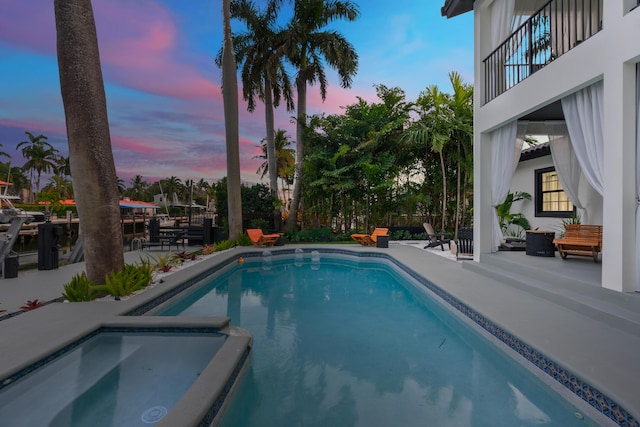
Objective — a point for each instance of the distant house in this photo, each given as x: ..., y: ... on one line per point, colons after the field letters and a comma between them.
x: 571, y: 66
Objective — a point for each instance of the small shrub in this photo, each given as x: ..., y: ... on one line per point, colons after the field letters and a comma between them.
x: 223, y: 245
x: 123, y: 283
x: 208, y: 250
x: 80, y: 289
x: 184, y: 256
x: 312, y: 235
x: 243, y: 240
x: 259, y: 223
x: 32, y: 305
x: 164, y: 262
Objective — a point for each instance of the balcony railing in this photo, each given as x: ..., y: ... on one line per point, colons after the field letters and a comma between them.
x: 558, y: 27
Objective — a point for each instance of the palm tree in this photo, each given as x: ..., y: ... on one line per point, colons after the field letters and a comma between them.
x: 462, y: 134
x: 59, y: 186
x: 40, y: 157
x: 14, y: 175
x: 63, y: 167
x: 308, y: 48
x: 90, y: 150
x: 230, y: 100
x: 284, y: 157
x: 434, y: 130
x: 121, y: 186
x: 2, y: 153
x: 260, y: 50
x: 172, y: 186
x: 139, y: 188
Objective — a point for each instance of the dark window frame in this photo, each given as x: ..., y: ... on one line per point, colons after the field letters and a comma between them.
x: 538, y: 197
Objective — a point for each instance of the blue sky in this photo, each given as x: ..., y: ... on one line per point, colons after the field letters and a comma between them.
x: 163, y: 88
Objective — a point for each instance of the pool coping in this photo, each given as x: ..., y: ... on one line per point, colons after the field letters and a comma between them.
x: 578, y: 385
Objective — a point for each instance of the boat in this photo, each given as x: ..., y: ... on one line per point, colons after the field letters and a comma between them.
x: 164, y: 220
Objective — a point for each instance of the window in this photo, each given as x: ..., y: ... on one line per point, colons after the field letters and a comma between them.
x: 551, y: 200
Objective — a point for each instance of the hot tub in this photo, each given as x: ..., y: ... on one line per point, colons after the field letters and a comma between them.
x: 133, y: 375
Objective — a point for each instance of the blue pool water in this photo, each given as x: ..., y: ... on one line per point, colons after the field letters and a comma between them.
x: 111, y: 379
x: 342, y: 342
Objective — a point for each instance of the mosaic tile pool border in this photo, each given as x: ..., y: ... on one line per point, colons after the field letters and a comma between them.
x: 598, y: 400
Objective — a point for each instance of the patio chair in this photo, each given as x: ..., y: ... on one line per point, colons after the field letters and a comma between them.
x: 174, y: 238
x: 436, y: 239
x: 259, y: 239
x: 370, y: 239
x: 464, y: 243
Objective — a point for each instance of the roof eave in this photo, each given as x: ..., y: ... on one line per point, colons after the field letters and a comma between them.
x: 453, y: 8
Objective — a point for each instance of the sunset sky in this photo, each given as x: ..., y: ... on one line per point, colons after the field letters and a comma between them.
x: 163, y: 89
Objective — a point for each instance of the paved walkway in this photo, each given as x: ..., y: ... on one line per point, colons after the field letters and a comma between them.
x: 595, y: 344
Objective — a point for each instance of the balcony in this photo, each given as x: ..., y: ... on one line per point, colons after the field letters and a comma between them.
x: 555, y: 29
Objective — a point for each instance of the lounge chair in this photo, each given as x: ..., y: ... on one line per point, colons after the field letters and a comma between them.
x: 436, y: 239
x: 464, y: 243
x: 259, y: 239
x: 370, y: 239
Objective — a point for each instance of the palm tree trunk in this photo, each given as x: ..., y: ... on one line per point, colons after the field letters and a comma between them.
x: 301, y: 87
x: 90, y: 152
x: 272, y: 160
x: 444, y: 191
x: 230, y: 100
x: 458, y: 172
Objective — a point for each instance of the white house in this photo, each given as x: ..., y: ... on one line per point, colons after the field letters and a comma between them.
x: 572, y: 67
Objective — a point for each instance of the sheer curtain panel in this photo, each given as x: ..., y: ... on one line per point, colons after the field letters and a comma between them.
x: 583, y: 112
x: 506, y: 146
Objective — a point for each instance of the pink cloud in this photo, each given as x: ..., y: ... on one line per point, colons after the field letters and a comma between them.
x: 139, y: 49
x: 136, y: 145
x: 139, y: 44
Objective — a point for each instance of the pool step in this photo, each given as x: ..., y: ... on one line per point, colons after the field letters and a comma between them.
x: 619, y: 309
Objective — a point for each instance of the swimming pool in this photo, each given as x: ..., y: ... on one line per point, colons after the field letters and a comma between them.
x: 128, y: 375
x: 342, y: 341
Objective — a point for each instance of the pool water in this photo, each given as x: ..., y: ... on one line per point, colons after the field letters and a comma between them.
x: 111, y: 379
x: 340, y: 342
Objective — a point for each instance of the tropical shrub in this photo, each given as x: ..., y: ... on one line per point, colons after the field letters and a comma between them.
x: 223, y: 245
x: 80, y: 288
x: 510, y: 220
x: 243, y: 240
x: 123, y: 283
x: 208, y: 250
x: 311, y: 235
x: 183, y: 256
x: 164, y: 262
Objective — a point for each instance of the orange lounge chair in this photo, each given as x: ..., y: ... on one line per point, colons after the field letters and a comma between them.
x: 370, y: 239
x: 259, y: 239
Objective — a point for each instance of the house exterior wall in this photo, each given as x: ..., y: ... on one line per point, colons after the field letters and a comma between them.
x: 611, y: 56
x: 524, y: 180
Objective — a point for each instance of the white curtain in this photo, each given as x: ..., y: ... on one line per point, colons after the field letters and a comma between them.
x: 501, y: 20
x: 566, y: 163
x: 638, y: 177
x: 573, y: 22
x: 583, y: 112
x: 501, y: 28
x: 506, y: 146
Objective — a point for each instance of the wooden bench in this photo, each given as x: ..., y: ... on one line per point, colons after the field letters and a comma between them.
x: 580, y: 240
